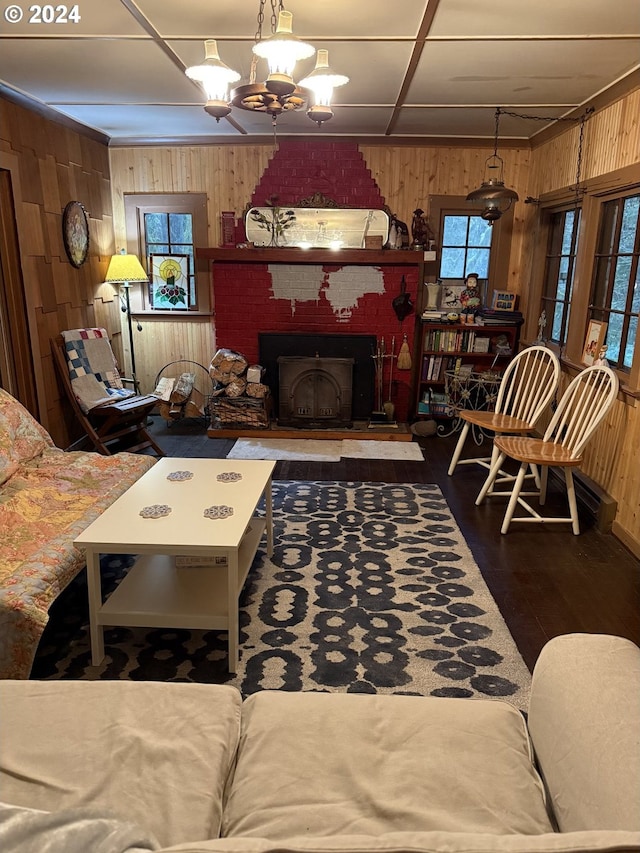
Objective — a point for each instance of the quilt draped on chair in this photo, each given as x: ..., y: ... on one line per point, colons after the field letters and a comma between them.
x: 92, y: 368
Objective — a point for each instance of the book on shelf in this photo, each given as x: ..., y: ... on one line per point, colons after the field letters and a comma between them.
x: 481, y: 344
x: 492, y: 317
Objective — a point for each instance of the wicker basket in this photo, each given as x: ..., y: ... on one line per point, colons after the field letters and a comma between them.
x: 230, y: 412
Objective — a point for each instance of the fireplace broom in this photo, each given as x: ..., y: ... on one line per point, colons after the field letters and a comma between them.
x: 404, y: 356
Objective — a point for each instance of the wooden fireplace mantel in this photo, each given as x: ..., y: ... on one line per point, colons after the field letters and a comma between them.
x: 365, y: 257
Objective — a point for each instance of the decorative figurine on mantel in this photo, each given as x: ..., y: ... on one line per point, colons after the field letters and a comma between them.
x: 470, y: 297
x: 542, y: 323
x: 421, y: 231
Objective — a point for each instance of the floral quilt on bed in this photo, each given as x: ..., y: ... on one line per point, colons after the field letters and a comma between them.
x: 47, y: 497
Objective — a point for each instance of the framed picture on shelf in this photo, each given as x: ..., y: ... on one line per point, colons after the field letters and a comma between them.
x: 594, y: 341
x: 450, y: 297
x: 502, y: 300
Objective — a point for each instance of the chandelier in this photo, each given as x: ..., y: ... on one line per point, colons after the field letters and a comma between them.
x: 492, y: 195
x: 278, y: 93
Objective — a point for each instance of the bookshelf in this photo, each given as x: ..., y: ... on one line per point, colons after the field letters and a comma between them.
x: 463, y: 351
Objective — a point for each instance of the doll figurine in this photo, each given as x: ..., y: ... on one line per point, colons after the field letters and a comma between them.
x: 470, y: 296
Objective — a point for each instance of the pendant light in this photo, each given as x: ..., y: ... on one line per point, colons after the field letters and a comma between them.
x: 322, y: 81
x: 215, y: 77
x: 492, y: 195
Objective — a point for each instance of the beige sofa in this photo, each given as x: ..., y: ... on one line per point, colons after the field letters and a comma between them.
x: 47, y: 498
x: 123, y: 766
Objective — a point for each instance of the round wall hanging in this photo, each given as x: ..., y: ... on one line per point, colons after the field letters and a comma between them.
x: 75, y: 233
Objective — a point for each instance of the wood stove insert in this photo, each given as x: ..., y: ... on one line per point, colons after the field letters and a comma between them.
x: 315, y: 392
x: 360, y: 348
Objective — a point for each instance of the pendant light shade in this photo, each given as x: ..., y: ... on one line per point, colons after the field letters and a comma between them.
x: 282, y: 50
x: 215, y: 77
x: 322, y: 81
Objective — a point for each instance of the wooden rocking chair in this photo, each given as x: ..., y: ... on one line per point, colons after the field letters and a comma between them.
x: 118, y: 425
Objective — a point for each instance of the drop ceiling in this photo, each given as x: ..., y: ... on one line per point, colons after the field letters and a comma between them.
x: 418, y: 68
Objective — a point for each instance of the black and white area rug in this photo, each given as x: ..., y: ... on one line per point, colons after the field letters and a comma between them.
x: 371, y: 588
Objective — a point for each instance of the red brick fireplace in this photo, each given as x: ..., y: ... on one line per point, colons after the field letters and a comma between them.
x: 316, y: 298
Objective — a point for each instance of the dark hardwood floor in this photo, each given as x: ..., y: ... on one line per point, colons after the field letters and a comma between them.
x: 545, y: 580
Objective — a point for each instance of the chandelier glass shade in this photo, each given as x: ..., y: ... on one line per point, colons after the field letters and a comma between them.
x: 282, y: 50
x: 215, y: 78
x: 492, y: 196
x: 322, y: 81
x: 279, y: 93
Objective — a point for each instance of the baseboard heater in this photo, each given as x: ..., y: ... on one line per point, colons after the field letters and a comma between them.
x: 591, y: 497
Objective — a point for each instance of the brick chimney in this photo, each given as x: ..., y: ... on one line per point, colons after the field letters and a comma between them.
x: 330, y: 299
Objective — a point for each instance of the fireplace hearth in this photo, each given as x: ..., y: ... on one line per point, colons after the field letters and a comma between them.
x: 356, y: 348
x: 315, y: 392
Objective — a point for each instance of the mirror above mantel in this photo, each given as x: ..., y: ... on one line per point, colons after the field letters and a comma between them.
x: 316, y: 228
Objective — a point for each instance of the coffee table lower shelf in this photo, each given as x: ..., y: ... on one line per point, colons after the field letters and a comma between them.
x: 155, y: 593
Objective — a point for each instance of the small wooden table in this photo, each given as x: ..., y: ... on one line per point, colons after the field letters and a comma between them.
x: 158, y: 593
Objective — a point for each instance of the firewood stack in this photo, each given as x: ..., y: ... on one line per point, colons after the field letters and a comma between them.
x: 179, y: 398
x: 239, y: 396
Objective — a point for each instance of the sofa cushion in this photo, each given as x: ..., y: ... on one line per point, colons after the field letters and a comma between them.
x: 155, y: 754
x: 317, y: 764
x: 68, y: 831
x: 21, y: 436
x: 584, y: 719
x: 425, y: 842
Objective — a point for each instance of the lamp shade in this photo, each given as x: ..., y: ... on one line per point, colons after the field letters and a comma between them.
x: 125, y: 268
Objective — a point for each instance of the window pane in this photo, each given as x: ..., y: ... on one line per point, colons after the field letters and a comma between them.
x: 455, y: 230
x: 156, y: 227
x: 452, y: 263
x: 635, y: 300
x: 614, y: 337
x: 631, y: 341
x: 621, y: 283
x: 479, y: 232
x: 557, y: 322
x: 180, y: 228
x: 478, y: 262
x: 629, y: 224
x: 568, y: 231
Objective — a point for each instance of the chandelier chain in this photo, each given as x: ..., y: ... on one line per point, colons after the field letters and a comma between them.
x: 582, y: 120
x: 275, y: 8
x: 495, y: 133
x: 575, y: 119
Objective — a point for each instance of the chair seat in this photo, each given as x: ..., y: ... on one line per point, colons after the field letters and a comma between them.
x: 535, y: 451
x: 495, y: 421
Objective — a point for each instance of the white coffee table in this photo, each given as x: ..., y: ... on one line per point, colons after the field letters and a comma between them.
x: 155, y: 592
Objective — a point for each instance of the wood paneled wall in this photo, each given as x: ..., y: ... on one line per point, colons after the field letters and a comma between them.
x: 611, y: 143
x: 50, y: 165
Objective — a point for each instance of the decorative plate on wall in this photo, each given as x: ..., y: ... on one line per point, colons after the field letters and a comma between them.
x: 75, y: 233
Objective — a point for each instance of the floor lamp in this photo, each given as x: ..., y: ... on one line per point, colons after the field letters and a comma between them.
x: 125, y: 270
